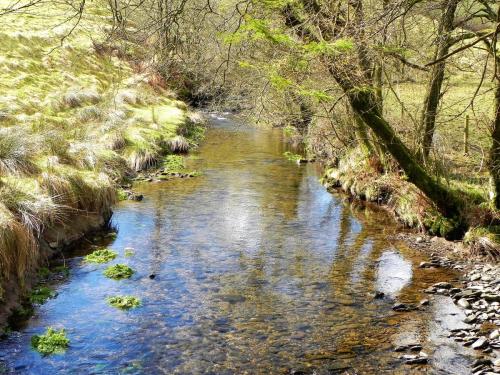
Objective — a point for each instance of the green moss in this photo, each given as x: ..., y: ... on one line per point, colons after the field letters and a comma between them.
x: 291, y: 156
x: 118, y: 272
x: 61, y: 270
x: 43, y: 272
x: 101, y: 256
x: 491, y: 232
x: 121, y: 195
x: 41, y: 294
x: 124, y: 302
x: 52, y: 342
x: 129, y: 252
x: 174, y: 163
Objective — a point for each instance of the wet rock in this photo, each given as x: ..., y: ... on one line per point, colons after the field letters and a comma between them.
x: 419, y: 359
x: 402, y: 307
x: 232, y: 298
x: 425, y: 265
x: 490, y: 297
x: 480, y: 343
x: 482, y: 362
x: 379, y: 295
x: 443, y: 285
x: 152, y: 276
x: 135, y: 197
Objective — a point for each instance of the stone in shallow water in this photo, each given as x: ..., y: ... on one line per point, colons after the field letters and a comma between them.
x: 442, y: 285
x: 232, y: 298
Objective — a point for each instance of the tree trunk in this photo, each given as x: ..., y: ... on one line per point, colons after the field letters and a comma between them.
x: 363, y: 103
x: 433, y: 96
x: 306, y: 113
x: 494, y: 162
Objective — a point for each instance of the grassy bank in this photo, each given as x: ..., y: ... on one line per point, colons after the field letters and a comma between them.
x: 78, y: 115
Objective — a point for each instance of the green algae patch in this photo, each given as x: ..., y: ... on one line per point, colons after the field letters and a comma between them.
x: 129, y: 252
x: 124, y: 302
x: 101, y: 256
x: 292, y: 157
x: 174, y: 163
x: 118, y: 272
x: 52, y: 342
x: 41, y: 294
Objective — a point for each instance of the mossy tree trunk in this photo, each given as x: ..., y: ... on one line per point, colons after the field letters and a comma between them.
x: 433, y: 95
x: 494, y: 162
x: 363, y: 102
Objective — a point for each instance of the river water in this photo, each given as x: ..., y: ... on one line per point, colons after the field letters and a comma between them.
x: 259, y: 270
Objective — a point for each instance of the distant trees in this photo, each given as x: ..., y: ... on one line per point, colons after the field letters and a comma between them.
x: 304, y: 62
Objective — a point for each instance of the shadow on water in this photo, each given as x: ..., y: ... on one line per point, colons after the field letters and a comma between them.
x: 258, y: 270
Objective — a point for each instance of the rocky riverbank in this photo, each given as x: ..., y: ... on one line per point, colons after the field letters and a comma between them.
x: 477, y: 293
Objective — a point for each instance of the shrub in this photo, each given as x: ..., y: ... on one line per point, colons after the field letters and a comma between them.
x: 15, y: 152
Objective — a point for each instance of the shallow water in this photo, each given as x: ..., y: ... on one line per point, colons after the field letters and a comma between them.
x: 258, y: 270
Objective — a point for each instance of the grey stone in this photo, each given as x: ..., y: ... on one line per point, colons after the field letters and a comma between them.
x: 480, y: 343
x: 462, y: 302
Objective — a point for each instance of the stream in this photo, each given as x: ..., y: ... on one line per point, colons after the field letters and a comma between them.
x: 258, y: 270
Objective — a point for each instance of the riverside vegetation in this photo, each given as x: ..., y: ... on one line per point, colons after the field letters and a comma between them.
x: 80, y: 116
x: 399, y: 100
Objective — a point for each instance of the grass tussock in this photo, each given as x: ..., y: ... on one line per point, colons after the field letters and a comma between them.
x: 73, y: 123
x: 484, y: 242
x: 178, y: 145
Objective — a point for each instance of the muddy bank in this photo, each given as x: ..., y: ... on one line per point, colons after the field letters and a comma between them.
x: 53, y: 243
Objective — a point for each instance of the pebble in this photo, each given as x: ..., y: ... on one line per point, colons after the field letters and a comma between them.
x: 462, y: 302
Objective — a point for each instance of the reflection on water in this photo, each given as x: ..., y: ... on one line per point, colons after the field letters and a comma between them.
x: 258, y: 270
x: 393, y: 273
